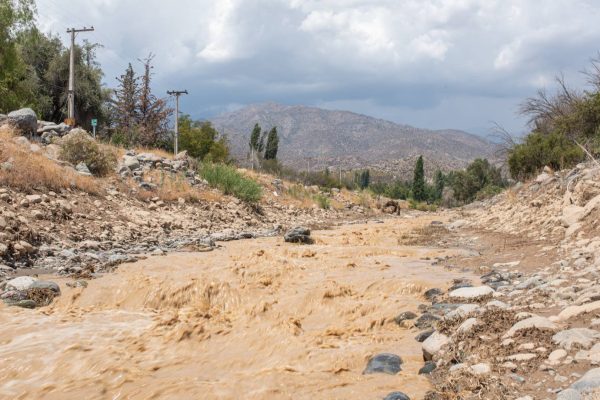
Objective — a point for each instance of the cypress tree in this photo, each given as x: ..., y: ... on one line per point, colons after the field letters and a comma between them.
x: 418, y: 188
x: 255, y: 137
x: 272, y: 145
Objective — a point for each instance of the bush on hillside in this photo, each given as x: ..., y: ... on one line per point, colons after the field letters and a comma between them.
x: 538, y: 150
x: 78, y: 146
x: 227, y: 179
x: 478, y: 179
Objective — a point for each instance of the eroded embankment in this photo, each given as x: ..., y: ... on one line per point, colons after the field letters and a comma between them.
x: 256, y: 319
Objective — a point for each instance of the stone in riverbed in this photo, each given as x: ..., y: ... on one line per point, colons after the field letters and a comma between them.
x: 298, y: 235
x: 580, y: 337
x: 426, y: 321
x: 428, y: 368
x: 385, y: 363
x: 406, y: 315
x: 25, y: 304
x: 536, y: 322
x: 421, y: 337
x: 433, y: 345
x: 472, y: 293
x: 433, y: 293
x: 587, y: 384
x: 20, y: 283
x: 46, y: 285
x: 396, y: 396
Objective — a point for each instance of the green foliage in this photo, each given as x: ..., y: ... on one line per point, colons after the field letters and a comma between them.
x: 479, y: 178
x: 538, y: 150
x: 227, y: 179
x: 255, y: 137
x: 418, y: 187
x: 272, y: 145
x: 202, y: 141
x: 439, y: 182
x: 421, y: 206
x: 78, y: 147
x: 363, y: 179
x: 322, y: 201
x: 398, y: 190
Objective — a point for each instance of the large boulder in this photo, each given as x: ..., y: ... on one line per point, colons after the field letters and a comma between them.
x: 25, y: 120
x: 384, y: 363
x: 298, y: 235
x: 20, y: 283
x: 472, y: 293
x: 433, y: 345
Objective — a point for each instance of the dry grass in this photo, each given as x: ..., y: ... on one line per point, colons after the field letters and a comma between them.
x: 31, y: 171
x: 170, y: 187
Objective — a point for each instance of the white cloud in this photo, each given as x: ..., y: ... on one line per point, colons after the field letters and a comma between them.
x: 390, y: 54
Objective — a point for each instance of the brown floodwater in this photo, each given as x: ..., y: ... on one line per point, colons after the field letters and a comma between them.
x: 255, y: 319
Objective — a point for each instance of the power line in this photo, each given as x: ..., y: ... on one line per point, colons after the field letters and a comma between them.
x: 71, y: 92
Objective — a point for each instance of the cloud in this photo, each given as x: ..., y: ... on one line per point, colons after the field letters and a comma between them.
x: 430, y: 63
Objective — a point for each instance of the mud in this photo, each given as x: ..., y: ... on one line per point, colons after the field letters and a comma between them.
x: 255, y: 319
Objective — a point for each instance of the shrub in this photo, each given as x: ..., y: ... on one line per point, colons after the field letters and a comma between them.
x: 539, y: 150
x: 78, y: 147
x: 323, y: 201
x: 227, y: 179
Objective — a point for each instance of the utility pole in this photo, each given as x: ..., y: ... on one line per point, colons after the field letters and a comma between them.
x: 177, y: 93
x: 71, y: 92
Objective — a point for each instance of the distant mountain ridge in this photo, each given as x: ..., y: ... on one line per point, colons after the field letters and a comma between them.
x: 320, y: 138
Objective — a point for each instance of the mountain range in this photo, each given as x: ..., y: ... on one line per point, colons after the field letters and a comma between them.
x: 316, y: 138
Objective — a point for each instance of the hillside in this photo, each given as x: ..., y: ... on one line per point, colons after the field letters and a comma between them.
x: 350, y: 140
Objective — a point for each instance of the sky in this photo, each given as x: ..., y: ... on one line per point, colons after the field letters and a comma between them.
x: 461, y: 64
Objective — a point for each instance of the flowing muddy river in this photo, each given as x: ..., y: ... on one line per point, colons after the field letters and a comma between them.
x: 256, y: 319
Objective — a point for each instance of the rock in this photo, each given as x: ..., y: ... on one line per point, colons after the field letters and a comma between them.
x: 131, y: 162
x: 22, y: 247
x: 83, y: 169
x: 588, y: 382
x: 421, y: 337
x: 406, y: 315
x: 182, y: 155
x: 34, y: 199
x: 20, y: 283
x: 46, y: 285
x: 298, y: 235
x: 520, y: 357
x: 467, y: 325
x: 396, y: 396
x: 433, y: 345
x: 580, y: 337
x: 461, y: 312
x: 384, y: 363
x: 557, y: 355
x: 25, y: 120
x: 24, y: 304
x: 433, y: 293
x: 574, y: 311
x: 426, y: 320
x: 472, y: 293
x: 540, y: 323
x: 428, y: 368
x: 569, y: 394
x: 480, y: 369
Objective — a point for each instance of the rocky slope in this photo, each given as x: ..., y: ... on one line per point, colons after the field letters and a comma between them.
x: 529, y: 329
x: 339, y: 138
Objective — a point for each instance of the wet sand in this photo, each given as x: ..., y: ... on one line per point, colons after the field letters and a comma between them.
x: 255, y: 319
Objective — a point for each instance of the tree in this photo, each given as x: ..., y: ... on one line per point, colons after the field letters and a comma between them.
x: 125, y: 105
x: 17, y: 89
x: 438, y: 184
x: 255, y: 137
x: 201, y: 140
x: 272, y: 145
x: 418, y: 188
x: 364, y: 179
x: 152, y: 113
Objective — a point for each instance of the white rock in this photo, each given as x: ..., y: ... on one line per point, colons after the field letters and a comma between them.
x: 557, y: 355
x: 462, y: 312
x: 520, y: 357
x: 574, y: 311
x: 533, y: 322
x: 433, y: 344
x: 481, y: 369
x: 473, y: 293
x: 467, y: 325
x: 20, y: 283
x: 582, y: 337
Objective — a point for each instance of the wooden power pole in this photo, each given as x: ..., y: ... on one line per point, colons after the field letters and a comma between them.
x: 176, y: 93
x: 71, y: 92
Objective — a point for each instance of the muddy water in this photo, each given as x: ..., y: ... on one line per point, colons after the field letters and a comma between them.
x: 255, y: 319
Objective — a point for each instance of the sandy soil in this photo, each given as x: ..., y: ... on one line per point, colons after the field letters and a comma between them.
x: 257, y: 319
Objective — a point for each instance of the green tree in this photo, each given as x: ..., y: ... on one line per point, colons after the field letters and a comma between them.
x: 126, y: 105
x: 364, y: 179
x: 272, y: 145
x: 255, y: 137
x: 202, y: 141
x: 418, y: 187
x: 439, y: 181
x: 17, y: 89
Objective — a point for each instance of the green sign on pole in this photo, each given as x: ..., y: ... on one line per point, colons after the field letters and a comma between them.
x: 94, y: 122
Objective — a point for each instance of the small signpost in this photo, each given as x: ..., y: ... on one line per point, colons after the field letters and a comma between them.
x: 94, y: 125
